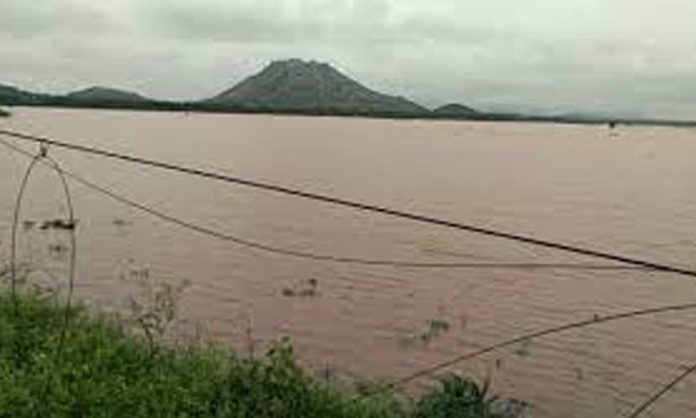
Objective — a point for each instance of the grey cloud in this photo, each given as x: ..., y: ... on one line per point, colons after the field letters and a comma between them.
x: 279, y: 23
x: 21, y: 18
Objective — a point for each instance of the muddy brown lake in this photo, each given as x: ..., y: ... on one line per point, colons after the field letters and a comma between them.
x: 630, y: 192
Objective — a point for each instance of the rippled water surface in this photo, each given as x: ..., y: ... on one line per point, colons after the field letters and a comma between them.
x: 632, y: 192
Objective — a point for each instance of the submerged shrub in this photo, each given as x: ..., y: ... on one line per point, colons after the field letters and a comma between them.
x: 457, y: 397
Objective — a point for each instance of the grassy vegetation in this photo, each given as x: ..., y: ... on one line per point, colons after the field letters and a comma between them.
x: 105, y: 370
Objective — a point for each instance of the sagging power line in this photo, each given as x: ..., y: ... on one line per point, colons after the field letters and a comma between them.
x: 365, y: 207
x: 596, y: 320
x: 642, y: 408
x: 310, y: 255
x: 391, y: 212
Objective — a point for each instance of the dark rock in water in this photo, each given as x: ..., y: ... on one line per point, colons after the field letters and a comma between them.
x: 4, y: 113
x: 309, y: 85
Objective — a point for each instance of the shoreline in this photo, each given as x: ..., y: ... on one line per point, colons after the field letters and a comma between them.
x: 188, y: 108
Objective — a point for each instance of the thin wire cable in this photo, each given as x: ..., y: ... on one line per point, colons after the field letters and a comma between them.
x: 421, y: 218
x: 314, y: 256
x: 42, y: 157
x: 15, y: 226
x: 662, y: 392
x: 523, y: 338
x: 357, y: 205
x: 73, y: 249
x: 71, y: 273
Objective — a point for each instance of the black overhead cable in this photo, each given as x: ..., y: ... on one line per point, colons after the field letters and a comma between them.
x: 310, y: 255
x: 596, y: 320
x: 405, y: 215
x: 357, y: 205
x: 662, y: 392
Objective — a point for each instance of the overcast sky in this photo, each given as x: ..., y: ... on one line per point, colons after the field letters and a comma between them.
x: 628, y: 56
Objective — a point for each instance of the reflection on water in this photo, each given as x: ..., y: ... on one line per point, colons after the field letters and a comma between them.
x: 631, y: 193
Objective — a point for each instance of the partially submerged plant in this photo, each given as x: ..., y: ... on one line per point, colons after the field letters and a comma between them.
x: 155, y: 314
x: 459, y: 397
x: 435, y: 328
x: 305, y: 289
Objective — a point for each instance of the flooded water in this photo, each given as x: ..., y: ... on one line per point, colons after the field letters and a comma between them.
x: 632, y: 193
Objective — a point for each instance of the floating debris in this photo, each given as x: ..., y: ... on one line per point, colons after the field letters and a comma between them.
x: 525, y: 348
x: 438, y: 326
x: 435, y: 329
x: 122, y: 222
x: 312, y: 291
x: 60, y: 224
x: 140, y: 273
x: 58, y: 248
x: 306, y: 289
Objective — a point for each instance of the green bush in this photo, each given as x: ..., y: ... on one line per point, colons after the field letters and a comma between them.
x: 104, y: 371
x: 457, y: 397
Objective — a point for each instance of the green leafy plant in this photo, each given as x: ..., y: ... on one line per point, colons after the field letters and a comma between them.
x: 457, y: 397
x: 156, y: 311
x: 105, y: 371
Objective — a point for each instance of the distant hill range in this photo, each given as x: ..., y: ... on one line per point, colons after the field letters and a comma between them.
x: 286, y: 86
x: 310, y: 85
x: 295, y: 87
x: 13, y: 96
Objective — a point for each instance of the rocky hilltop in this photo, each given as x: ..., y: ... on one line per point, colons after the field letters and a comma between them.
x: 310, y: 85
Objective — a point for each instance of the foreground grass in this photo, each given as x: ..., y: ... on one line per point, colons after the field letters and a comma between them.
x: 105, y: 371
